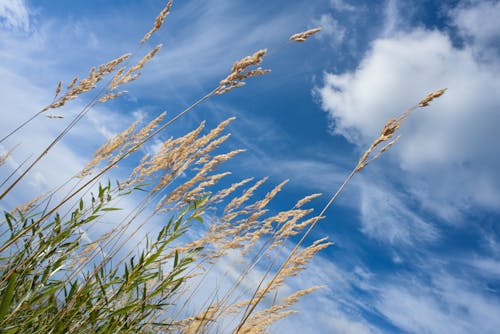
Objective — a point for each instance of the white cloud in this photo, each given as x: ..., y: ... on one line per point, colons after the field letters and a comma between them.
x: 333, y: 309
x: 14, y: 14
x: 386, y: 217
x: 444, y: 305
x: 342, y: 5
x: 331, y: 29
x: 327, y: 310
x: 479, y: 22
x: 434, y: 298
x: 487, y: 266
x: 28, y: 67
x: 198, y: 59
x: 446, y: 150
x: 392, y: 18
x: 63, y: 161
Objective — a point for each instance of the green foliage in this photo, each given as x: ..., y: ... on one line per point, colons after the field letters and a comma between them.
x: 51, y: 282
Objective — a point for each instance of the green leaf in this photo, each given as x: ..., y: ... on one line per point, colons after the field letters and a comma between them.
x: 7, y: 296
x: 111, y: 209
x: 8, y: 218
x: 90, y: 218
x: 124, y: 310
x: 176, y: 286
x: 176, y: 258
x: 198, y: 218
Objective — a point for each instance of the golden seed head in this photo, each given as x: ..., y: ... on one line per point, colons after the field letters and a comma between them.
x: 431, y: 96
x: 158, y: 21
x: 58, y: 89
x: 303, y: 36
x: 241, y: 71
x: 4, y: 157
x: 111, y: 96
x: 72, y: 83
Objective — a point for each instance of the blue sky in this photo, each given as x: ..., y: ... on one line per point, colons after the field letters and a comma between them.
x: 416, y: 234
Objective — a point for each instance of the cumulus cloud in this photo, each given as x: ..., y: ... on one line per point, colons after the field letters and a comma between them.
x: 14, y: 15
x: 447, y: 150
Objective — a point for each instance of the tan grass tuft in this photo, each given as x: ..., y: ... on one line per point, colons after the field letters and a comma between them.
x: 390, y: 128
x: 111, y: 96
x: 107, y: 149
x: 132, y: 72
x: 72, y: 83
x: 198, y: 323
x: 306, y: 200
x: 241, y: 71
x: 85, y: 85
x: 297, y: 263
x: 431, y: 96
x: 4, y: 157
x: 158, y: 22
x: 182, y: 190
x: 58, y: 89
x: 258, y: 322
x: 238, y: 201
x: 303, y: 36
x: 228, y: 191
x: 27, y: 207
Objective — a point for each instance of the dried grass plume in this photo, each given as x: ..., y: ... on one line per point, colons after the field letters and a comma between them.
x: 303, y: 36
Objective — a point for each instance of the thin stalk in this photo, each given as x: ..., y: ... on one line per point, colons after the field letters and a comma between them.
x: 21, y: 125
x: 252, y: 305
x: 133, y: 149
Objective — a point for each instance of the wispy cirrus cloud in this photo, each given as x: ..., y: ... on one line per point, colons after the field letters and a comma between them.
x: 446, y: 304
x: 386, y: 216
x: 331, y: 29
x: 342, y: 5
x: 14, y: 14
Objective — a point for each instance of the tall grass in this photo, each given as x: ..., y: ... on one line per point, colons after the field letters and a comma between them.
x: 61, y: 272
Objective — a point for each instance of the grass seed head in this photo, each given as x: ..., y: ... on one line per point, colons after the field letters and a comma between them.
x: 303, y: 36
x: 241, y: 71
x: 158, y: 21
x: 4, y: 157
x: 431, y: 96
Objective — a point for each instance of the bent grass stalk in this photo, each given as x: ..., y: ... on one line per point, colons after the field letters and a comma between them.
x: 387, y: 133
x: 83, y: 86
x: 157, y: 25
x: 240, y: 71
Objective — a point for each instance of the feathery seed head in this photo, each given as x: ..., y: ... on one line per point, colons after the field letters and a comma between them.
x: 158, y: 21
x: 58, y: 89
x: 431, y: 96
x: 303, y: 36
x: 240, y: 71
